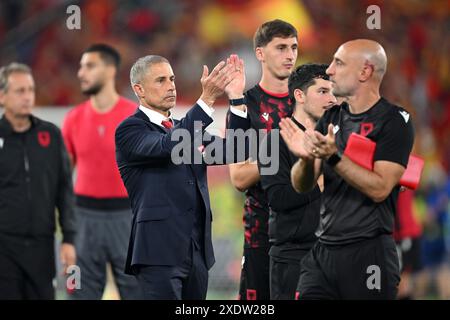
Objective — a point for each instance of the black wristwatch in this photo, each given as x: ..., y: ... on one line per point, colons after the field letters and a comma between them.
x: 237, y: 102
x: 334, y: 159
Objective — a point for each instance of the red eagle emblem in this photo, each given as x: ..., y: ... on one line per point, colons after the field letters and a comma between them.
x: 366, y: 128
x: 44, y: 138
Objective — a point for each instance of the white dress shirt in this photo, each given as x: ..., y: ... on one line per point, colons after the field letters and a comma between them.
x: 157, y: 118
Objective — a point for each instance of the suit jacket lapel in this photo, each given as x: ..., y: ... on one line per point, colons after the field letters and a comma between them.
x: 141, y: 115
x: 193, y: 167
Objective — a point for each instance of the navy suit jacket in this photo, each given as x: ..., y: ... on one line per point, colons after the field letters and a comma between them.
x: 163, y: 194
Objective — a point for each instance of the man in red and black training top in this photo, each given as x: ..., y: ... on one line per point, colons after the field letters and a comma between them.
x: 275, y: 44
x: 102, y: 206
x: 407, y: 236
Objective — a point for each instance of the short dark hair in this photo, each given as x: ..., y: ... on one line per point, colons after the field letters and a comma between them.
x: 305, y: 76
x: 108, y: 54
x: 271, y: 29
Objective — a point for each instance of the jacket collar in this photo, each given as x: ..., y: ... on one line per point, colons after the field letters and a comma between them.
x: 6, y: 125
x: 153, y: 116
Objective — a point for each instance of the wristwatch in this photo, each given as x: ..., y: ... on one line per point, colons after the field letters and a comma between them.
x: 334, y: 159
x: 237, y: 102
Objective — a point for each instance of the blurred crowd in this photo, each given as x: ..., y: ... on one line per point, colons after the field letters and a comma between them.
x: 191, y: 33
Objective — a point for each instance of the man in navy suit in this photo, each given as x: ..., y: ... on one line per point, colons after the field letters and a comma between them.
x: 170, y: 249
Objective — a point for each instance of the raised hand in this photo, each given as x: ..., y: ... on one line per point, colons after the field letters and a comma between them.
x: 214, y: 83
x: 311, y: 140
x: 235, y: 89
x: 294, y: 138
x: 318, y: 145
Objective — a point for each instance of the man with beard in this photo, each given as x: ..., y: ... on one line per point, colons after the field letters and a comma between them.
x: 102, y: 206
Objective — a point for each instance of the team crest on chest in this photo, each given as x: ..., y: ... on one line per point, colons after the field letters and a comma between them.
x: 2, y: 142
x: 44, y: 138
x: 366, y: 128
x: 101, y: 130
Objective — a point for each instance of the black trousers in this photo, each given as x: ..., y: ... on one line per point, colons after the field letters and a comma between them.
x: 255, y: 277
x: 284, y: 276
x: 27, y: 268
x: 188, y: 281
x: 366, y: 270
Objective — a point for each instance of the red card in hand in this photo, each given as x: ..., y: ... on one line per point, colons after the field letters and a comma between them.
x: 360, y: 150
x: 411, y: 176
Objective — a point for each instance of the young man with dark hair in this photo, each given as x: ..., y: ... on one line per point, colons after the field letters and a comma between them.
x: 294, y: 217
x: 275, y: 45
x: 108, y: 54
x: 102, y: 205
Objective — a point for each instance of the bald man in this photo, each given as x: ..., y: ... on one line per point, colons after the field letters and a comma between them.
x: 355, y: 257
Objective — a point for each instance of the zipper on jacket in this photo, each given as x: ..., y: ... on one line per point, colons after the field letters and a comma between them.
x: 26, y: 163
x: 27, y: 172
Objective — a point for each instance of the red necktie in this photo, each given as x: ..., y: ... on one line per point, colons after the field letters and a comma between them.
x: 167, y: 124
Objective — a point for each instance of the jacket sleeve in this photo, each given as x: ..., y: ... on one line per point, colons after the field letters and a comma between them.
x: 233, y: 120
x: 243, y: 123
x: 236, y: 145
x: 65, y: 199
x: 135, y: 143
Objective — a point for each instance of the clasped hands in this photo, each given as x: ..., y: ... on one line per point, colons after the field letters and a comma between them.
x: 226, y: 77
x: 309, y: 144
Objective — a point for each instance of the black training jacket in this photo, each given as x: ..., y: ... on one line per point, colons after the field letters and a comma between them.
x: 35, y: 179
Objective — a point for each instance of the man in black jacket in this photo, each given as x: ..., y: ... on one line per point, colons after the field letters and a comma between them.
x: 34, y: 180
x: 294, y: 217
